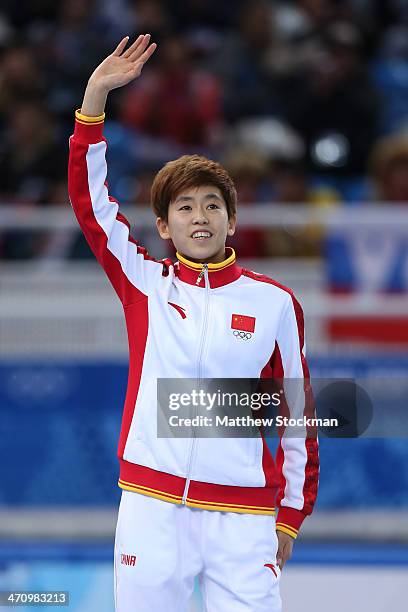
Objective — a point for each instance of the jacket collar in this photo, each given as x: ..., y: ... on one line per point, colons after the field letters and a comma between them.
x: 219, y: 274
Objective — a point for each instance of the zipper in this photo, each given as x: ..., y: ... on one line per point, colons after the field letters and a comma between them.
x: 200, y: 276
x: 204, y: 272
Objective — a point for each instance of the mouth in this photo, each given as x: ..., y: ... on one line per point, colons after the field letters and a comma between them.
x: 201, y: 235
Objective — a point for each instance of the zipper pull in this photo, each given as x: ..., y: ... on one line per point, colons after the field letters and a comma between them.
x: 200, y: 276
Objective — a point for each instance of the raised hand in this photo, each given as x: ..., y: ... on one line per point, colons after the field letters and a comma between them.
x: 121, y: 67
x: 118, y: 69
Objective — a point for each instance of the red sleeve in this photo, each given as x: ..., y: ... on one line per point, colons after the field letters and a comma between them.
x: 297, y: 457
x: 132, y: 272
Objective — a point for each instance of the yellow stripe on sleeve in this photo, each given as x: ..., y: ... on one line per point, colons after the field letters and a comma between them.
x: 89, y: 120
x: 287, y: 529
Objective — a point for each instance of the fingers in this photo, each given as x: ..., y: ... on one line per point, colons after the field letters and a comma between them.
x: 137, y: 66
x: 136, y: 54
x: 148, y: 53
x: 141, y: 41
x: 133, y: 46
x: 281, y: 560
x: 284, y: 554
x: 285, y: 547
x: 121, y: 46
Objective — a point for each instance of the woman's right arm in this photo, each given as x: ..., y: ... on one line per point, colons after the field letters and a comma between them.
x: 127, y: 264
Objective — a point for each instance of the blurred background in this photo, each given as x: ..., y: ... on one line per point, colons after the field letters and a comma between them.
x: 305, y: 102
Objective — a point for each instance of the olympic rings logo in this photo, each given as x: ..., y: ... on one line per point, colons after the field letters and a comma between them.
x: 242, y: 335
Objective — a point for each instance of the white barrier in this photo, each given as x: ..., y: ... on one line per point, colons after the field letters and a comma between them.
x: 60, y: 216
x: 72, y: 310
x: 49, y: 306
x: 78, y: 524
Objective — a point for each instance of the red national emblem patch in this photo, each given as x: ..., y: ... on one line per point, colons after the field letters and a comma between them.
x: 243, y: 323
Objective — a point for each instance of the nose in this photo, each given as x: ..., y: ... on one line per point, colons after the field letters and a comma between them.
x: 200, y: 218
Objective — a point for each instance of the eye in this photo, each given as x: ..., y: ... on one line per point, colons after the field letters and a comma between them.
x: 185, y: 207
x: 213, y: 205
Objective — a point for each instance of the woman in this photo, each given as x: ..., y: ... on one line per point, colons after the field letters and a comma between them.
x: 192, y: 506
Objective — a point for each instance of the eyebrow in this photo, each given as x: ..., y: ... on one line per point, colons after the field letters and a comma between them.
x: 208, y: 196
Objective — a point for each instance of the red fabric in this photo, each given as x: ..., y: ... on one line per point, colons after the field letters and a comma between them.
x: 217, y: 278
x: 140, y: 249
x: 88, y: 134
x: 127, y: 292
x: 278, y: 373
x: 265, y: 279
x: 93, y: 232
x: 268, y: 464
x: 198, y: 492
x: 179, y: 309
x: 243, y: 322
x: 290, y: 516
x: 271, y: 567
x: 247, y: 496
x: 140, y: 475
x: 137, y: 322
x: 312, y: 464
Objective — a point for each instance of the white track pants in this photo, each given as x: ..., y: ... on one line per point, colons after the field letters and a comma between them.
x: 161, y: 547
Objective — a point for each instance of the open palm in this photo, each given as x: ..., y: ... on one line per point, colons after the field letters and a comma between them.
x: 122, y: 66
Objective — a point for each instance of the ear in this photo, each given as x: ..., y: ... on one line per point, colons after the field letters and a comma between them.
x: 232, y: 222
x: 162, y: 228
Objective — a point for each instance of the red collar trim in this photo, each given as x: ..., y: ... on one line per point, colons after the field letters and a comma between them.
x: 219, y: 274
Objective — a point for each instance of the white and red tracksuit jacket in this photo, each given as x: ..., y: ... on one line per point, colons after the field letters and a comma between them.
x: 180, y: 329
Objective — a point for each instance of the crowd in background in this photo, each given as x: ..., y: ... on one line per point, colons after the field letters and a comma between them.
x: 302, y: 101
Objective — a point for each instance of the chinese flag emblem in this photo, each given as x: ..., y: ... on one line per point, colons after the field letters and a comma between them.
x: 243, y: 322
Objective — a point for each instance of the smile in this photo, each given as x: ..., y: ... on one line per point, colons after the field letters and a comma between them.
x: 201, y: 235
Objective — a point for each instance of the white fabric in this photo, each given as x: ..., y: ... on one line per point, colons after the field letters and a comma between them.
x: 172, y: 347
x: 172, y: 544
x: 294, y: 448
x: 141, y: 272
